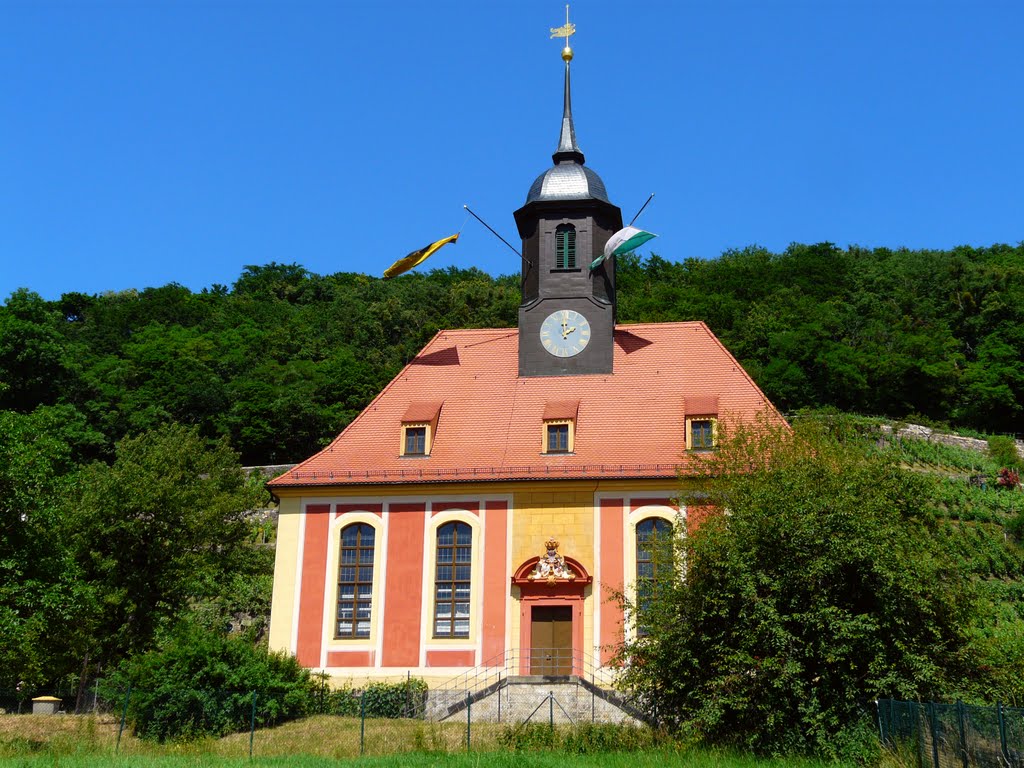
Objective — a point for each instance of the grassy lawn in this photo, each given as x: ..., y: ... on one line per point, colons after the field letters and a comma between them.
x: 420, y: 760
x: 69, y: 741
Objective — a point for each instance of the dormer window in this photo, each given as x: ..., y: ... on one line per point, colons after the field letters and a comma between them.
x: 701, y: 422
x: 558, y: 438
x: 419, y: 425
x: 416, y: 440
x: 565, y: 247
x: 702, y: 434
x: 559, y: 433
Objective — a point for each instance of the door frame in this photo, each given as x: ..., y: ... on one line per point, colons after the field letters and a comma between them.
x: 556, y: 593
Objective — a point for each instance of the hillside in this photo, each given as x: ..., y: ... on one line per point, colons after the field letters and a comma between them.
x: 284, y: 359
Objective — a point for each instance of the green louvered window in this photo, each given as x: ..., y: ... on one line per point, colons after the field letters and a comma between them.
x: 565, y: 247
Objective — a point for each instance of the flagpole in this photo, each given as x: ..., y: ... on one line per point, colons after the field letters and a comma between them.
x: 641, y: 209
x: 517, y: 253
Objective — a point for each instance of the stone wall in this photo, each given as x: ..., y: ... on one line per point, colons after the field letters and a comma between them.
x: 522, y: 699
x: 917, y: 432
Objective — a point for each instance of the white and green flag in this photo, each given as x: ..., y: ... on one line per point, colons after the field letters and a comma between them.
x: 625, y: 240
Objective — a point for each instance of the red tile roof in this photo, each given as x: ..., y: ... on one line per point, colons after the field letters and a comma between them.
x: 701, y: 405
x: 561, y: 409
x: 420, y: 412
x: 629, y: 424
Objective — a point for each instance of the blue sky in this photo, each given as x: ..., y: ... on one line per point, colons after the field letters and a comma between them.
x: 148, y: 142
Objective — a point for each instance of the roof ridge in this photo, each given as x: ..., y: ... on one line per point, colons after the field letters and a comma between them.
x: 659, y: 325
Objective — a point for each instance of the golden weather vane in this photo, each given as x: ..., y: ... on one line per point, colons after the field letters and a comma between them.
x: 566, y: 31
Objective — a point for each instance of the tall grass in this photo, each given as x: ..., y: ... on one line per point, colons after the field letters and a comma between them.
x: 71, y: 741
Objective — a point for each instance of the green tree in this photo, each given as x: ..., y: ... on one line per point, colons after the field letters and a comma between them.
x: 822, y: 588
x: 34, y: 366
x: 46, y: 609
x: 159, y: 528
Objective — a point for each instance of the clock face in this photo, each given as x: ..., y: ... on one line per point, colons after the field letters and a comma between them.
x: 565, y: 333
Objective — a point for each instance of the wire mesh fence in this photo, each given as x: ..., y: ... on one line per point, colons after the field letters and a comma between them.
x: 378, y: 719
x: 954, y: 735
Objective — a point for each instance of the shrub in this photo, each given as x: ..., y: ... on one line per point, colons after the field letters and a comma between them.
x: 406, y: 699
x: 201, y: 683
x: 1002, y: 449
x: 823, y: 587
x: 389, y: 700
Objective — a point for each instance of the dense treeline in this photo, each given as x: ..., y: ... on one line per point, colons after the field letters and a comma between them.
x: 894, y: 333
x: 284, y: 359
x: 277, y: 364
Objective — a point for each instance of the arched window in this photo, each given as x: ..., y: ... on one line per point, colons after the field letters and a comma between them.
x: 565, y: 246
x: 452, y: 580
x: 355, y: 580
x: 653, y: 546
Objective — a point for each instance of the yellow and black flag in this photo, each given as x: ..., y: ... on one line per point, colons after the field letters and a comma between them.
x: 416, y: 257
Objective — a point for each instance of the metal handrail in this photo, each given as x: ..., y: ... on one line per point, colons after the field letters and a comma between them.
x: 513, y: 662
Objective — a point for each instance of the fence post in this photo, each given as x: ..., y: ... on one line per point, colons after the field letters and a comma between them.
x: 469, y: 721
x: 252, y: 724
x: 881, y: 730
x: 892, y: 721
x: 916, y: 709
x: 1002, y: 732
x: 593, y: 698
x: 408, y: 681
x: 124, y: 715
x: 963, y: 732
x: 362, y: 723
x: 935, y: 733
x: 551, y: 709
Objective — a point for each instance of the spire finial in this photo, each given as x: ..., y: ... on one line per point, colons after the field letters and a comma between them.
x: 567, y: 151
x: 566, y: 31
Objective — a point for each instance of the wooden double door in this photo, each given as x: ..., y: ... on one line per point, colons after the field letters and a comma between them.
x: 551, y: 640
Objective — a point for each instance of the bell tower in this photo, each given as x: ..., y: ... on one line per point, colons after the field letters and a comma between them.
x: 567, y: 318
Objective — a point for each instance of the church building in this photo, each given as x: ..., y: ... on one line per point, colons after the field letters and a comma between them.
x: 483, y: 509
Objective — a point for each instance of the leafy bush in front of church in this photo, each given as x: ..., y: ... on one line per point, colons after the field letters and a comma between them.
x: 828, y: 584
x: 203, y: 683
x: 407, y: 698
